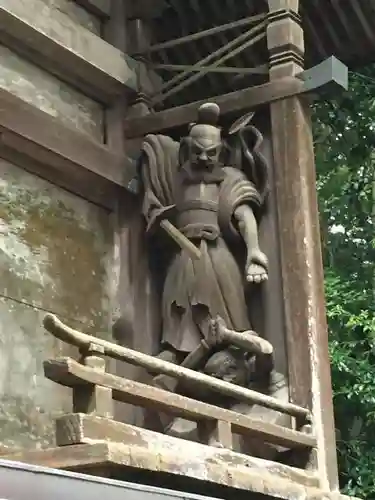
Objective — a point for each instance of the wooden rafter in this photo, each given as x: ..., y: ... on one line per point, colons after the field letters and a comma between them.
x: 262, y: 69
x: 228, y: 51
x: 202, y: 34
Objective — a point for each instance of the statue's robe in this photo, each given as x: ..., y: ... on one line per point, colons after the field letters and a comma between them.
x: 216, y: 281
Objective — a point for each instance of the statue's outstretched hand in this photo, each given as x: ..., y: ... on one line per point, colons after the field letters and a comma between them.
x: 256, y: 267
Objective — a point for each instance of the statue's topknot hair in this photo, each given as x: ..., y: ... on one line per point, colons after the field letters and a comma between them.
x: 208, y: 114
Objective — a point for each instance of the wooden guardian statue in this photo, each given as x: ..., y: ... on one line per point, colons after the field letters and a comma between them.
x: 208, y: 193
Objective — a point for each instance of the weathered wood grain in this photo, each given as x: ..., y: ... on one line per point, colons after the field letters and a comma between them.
x: 300, y: 253
x: 178, y: 457
x: 61, y: 367
x: 70, y: 373
x: 240, y: 100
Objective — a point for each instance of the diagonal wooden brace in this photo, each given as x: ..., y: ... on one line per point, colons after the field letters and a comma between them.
x: 328, y: 75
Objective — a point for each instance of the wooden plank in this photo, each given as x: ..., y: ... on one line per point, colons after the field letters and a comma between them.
x: 71, y: 373
x: 79, y: 428
x: 240, y: 100
x: 175, y: 456
x: 59, y: 154
x: 73, y: 458
x: 100, y: 8
x: 66, y: 49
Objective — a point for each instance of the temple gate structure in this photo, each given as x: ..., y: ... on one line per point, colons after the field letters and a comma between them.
x: 162, y: 315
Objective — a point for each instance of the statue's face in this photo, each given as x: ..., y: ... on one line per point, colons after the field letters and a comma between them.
x: 205, y: 145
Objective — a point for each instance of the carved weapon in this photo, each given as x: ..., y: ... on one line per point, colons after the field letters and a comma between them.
x: 181, y: 240
x: 241, y: 123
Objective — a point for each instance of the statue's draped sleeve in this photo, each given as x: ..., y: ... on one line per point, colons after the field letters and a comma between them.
x: 137, y: 323
x: 236, y: 190
x: 158, y: 170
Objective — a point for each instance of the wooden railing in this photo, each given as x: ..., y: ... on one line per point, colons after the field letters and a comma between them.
x: 94, y: 391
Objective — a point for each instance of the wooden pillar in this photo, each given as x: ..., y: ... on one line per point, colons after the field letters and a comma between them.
x: 299, y: 238
x: 137, y: 311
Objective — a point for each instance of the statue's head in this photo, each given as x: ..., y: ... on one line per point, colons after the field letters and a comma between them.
x: 203, y: 145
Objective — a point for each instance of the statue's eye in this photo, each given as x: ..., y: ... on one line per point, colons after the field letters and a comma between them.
x: 211, y: 152
x: 196, y: 150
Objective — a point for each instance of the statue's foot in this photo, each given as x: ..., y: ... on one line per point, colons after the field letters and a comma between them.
x: 256, y: 267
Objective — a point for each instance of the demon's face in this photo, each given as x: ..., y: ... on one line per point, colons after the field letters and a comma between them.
x: 205, y: 145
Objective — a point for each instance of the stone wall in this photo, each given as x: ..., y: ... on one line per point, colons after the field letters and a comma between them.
x: 35, y: 86
x: 55, y: 255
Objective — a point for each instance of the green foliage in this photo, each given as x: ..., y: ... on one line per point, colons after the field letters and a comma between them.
x: 345, y: 150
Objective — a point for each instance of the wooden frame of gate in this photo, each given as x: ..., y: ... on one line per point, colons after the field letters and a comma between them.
x: 103, y: 173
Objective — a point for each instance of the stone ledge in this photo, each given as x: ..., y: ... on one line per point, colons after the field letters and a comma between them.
x: 192, y: 460
x: 275, y: 483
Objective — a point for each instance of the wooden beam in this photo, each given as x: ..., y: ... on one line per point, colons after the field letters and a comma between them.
x: 239, y: 100
x: 70, y: 373
x: 100, y: 8
x: 89, y: 428
x: 262, y: 69
x: 41, y: 144
x: 71, y: 52
x: 299, y: 238
x: 202, y: 34
x: 183, y: 460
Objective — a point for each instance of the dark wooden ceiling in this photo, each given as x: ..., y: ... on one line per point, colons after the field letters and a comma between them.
x: 343, y: 28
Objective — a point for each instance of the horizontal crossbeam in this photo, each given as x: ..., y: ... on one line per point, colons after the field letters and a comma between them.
x: 240, y: 100
x: 330, y: 74
x: 258, y: 70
